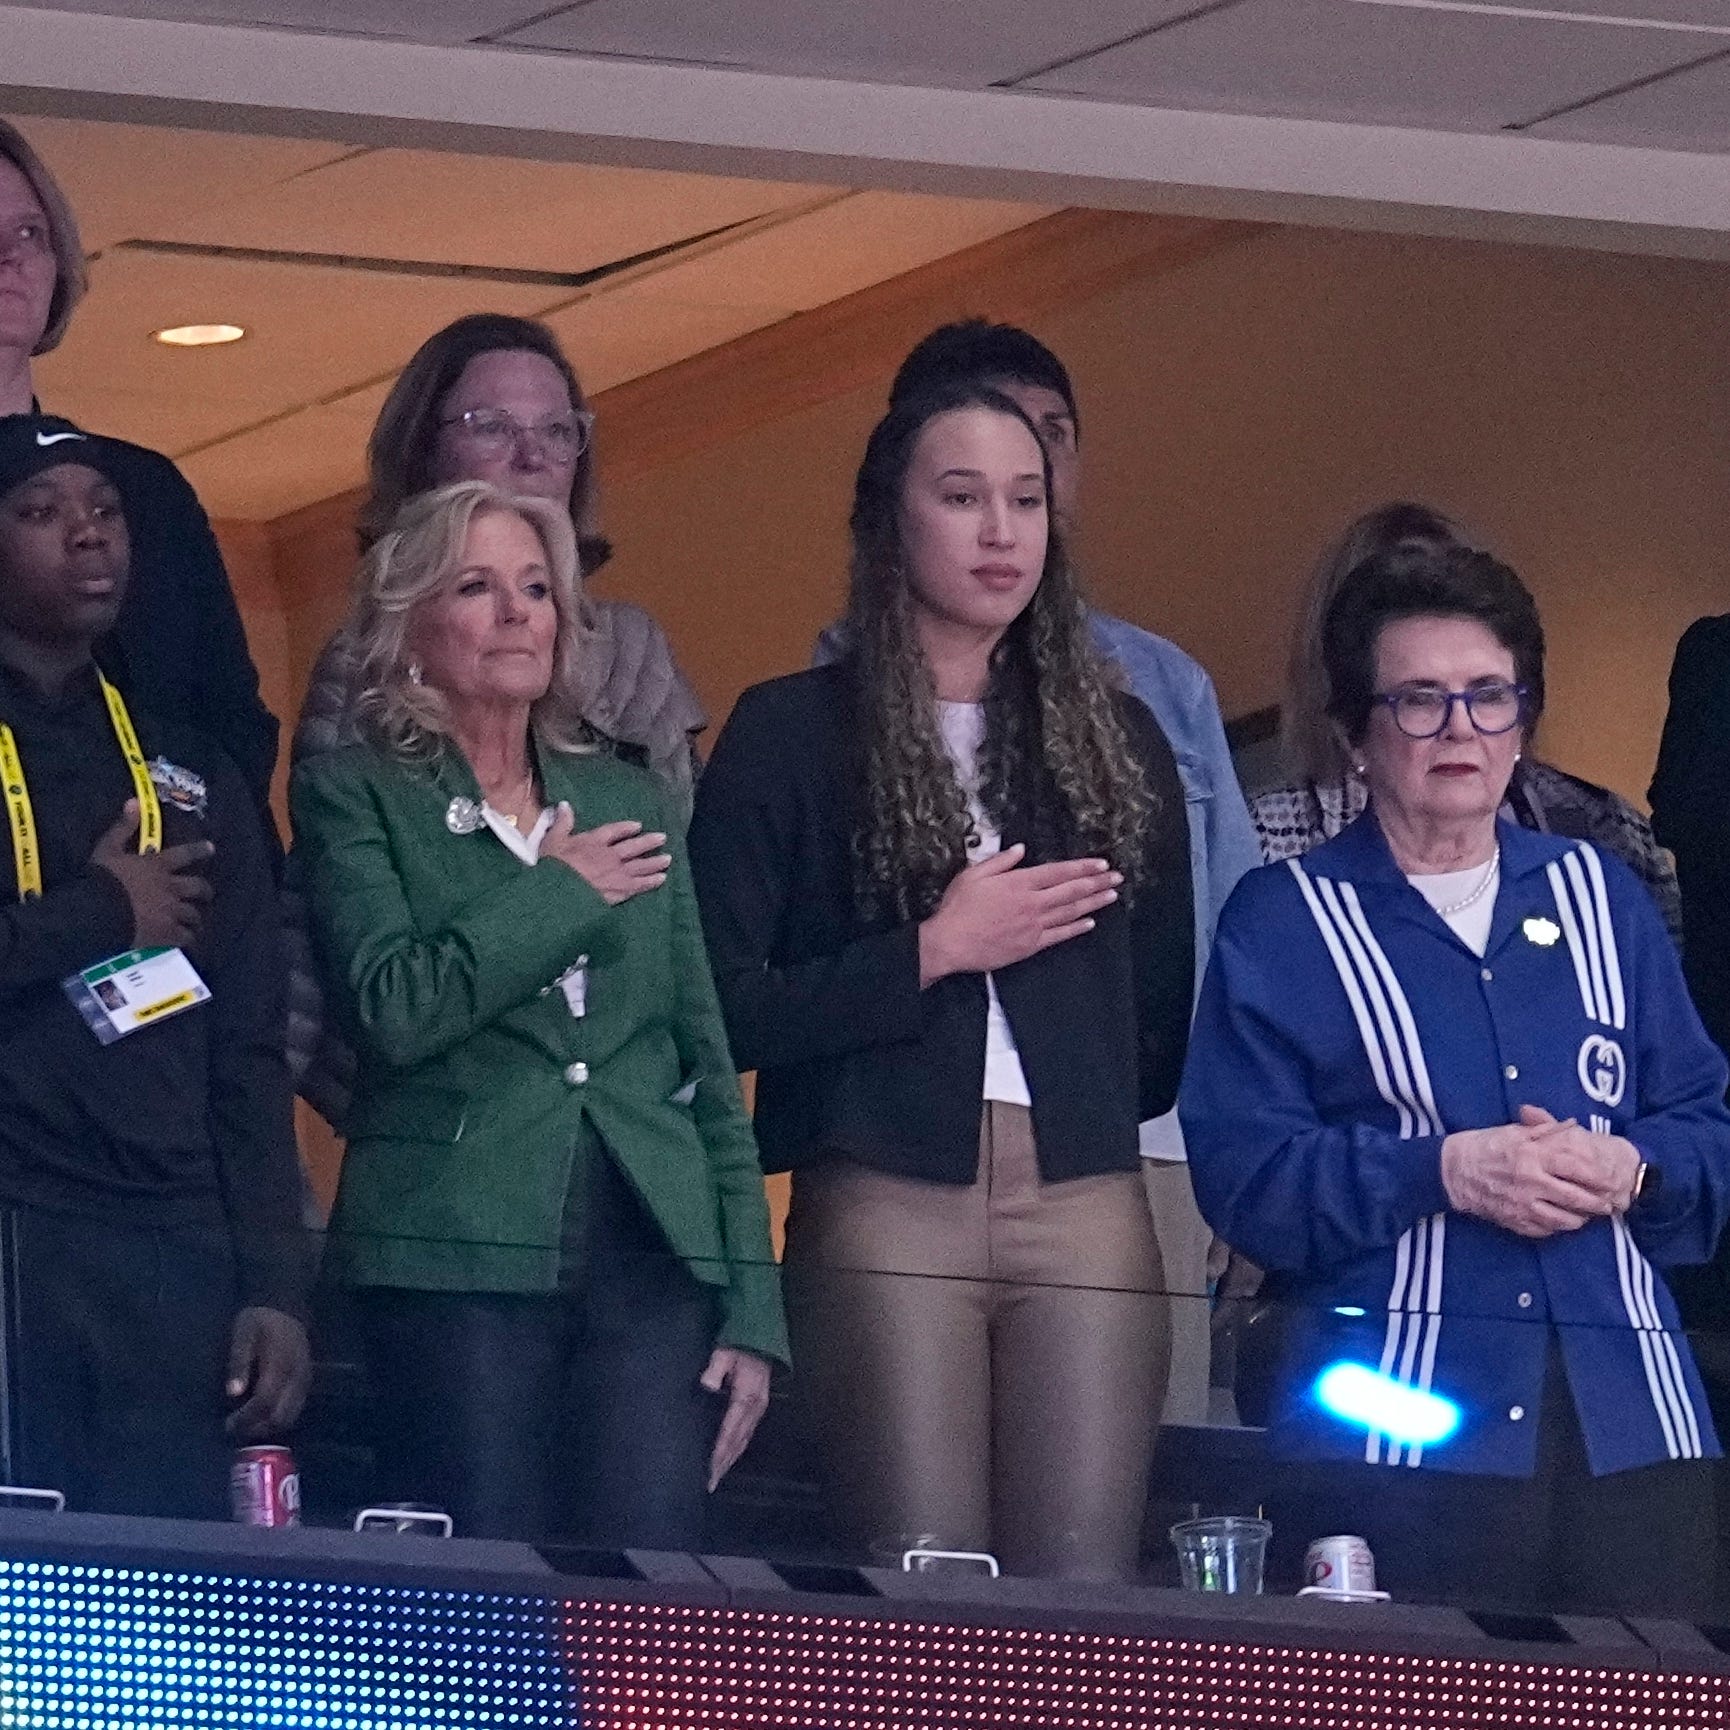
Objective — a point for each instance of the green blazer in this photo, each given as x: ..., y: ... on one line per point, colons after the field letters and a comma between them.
x: 476, y: 1079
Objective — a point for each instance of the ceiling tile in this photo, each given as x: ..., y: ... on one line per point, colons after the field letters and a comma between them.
x: 280, y: 419
x: 617, y: 337
x: 893, y: 41
x: 262, y: 474
x: 860, y: 240
x: 127, y: 181
x: 1686, y: 111
x: 1333, y: 60
x: 482, y: 210
x: 173, y: 423
x: 442, y: 21
x: 311, y: 332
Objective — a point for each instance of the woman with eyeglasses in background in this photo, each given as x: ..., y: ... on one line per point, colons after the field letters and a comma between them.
x: 494, y: 398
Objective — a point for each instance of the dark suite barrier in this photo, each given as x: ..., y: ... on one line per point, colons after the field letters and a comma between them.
x: 111, y: 1622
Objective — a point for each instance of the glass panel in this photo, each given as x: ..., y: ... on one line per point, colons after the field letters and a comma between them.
x: 1509, y: 1467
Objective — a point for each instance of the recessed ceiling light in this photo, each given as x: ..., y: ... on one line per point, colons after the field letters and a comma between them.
x: 199, y: 335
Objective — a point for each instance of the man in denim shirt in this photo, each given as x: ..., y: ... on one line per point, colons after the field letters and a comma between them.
x: 1222, y: 840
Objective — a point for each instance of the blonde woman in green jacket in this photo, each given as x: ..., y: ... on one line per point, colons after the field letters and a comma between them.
x: 551, y: 1208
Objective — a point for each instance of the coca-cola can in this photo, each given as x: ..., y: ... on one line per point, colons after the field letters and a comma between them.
x: 1340, y: 1564
x: 264, y: 1487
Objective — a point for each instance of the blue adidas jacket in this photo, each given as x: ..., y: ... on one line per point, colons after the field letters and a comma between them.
x: 1344, y: 1030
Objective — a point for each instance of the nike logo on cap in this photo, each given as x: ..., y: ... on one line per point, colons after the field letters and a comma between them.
x: 55, y: 438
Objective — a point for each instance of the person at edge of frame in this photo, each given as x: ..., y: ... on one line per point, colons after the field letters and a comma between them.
x: 178, y: 643
x: 149, y: 1236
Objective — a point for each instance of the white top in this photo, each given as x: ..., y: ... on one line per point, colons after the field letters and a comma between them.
x: 1443, y: 888
x: 963, y: 729
x: 526, y: 847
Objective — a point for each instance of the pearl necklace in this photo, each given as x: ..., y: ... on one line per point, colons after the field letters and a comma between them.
x: 1491, y: 872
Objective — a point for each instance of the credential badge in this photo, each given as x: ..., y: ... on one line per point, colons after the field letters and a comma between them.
x: 182, y: 788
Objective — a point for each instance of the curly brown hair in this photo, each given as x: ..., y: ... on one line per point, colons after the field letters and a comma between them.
x: 1056, y: 757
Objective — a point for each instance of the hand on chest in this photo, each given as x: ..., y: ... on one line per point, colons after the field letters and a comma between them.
x: 450, y: 853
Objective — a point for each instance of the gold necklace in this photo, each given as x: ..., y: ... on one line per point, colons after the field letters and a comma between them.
x: 521, y: 794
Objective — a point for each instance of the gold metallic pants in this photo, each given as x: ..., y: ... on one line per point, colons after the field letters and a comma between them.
x: 984, y: 1365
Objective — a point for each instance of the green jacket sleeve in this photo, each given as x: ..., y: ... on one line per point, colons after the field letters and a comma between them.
x: 416, y: 995
x: 753, y: 1319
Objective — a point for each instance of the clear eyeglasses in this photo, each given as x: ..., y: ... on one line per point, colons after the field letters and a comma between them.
x: 1424, y: 711
x: 494, y: 433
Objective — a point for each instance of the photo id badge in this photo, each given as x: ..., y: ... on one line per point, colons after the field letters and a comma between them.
x: 130, y: 991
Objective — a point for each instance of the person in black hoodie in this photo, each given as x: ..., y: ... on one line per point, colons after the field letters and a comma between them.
x: 150, y: 1260
x: 178, y: 643
x: 945, y: 886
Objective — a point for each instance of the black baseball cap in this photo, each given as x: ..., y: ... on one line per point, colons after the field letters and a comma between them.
x: 30, y: 443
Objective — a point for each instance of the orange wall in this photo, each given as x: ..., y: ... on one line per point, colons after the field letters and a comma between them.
x: 1574, y: 408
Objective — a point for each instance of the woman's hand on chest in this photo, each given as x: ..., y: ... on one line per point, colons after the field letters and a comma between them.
x: 617, y: 860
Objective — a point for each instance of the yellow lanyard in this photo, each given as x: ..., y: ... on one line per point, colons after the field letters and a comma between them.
x: 26, y: 855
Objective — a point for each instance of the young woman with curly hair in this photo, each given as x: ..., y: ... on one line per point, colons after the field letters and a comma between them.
x: 945, y: 886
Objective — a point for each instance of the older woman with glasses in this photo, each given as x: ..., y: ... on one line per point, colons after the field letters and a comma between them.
x: 1326, y: 796
x: 1446, y: 1083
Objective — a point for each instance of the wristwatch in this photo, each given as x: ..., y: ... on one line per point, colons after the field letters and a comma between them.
x: 1647, y: 1182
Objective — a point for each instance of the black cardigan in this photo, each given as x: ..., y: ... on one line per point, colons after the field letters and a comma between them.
x: 852, y: 1057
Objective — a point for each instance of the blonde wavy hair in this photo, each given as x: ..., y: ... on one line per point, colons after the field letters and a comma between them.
x: 1056, y: 756
x: 412, y: 563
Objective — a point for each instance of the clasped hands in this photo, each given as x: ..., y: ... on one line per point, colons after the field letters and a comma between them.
x: 1539, y: 1176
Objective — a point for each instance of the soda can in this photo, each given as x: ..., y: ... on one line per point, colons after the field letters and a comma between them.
x: 264, y: 1487
x: 1340, y: 1564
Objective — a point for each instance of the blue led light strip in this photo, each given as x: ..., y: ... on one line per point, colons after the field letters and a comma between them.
x: 85, y: 1648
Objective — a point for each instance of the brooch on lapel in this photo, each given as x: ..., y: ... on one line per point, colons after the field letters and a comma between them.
x: 463, y: 816
x: 1541, y: 931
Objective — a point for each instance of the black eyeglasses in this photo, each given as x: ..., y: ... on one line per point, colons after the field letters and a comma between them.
x: 495, y: 433
x: 1423, y: 711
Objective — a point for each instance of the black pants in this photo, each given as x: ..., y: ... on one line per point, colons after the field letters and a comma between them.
x: 1636, y: 1542
x: 574, y: 1414
x: 116, y: 1346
